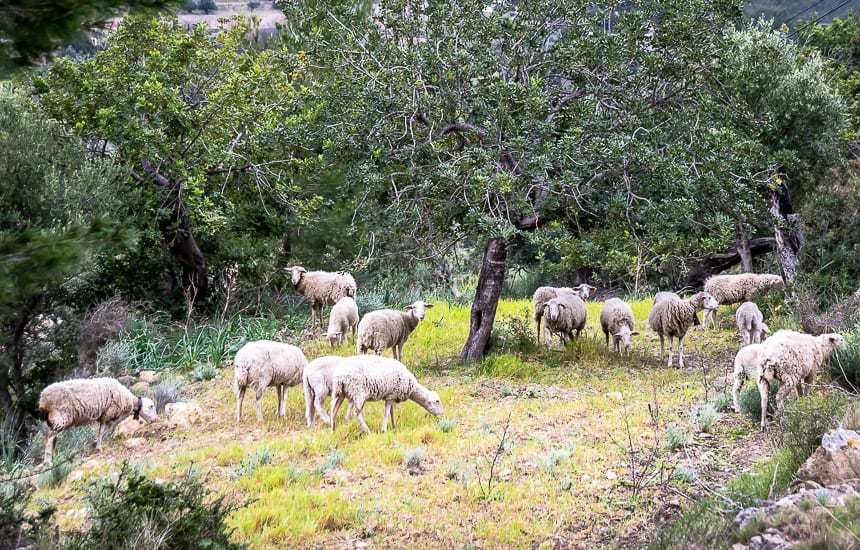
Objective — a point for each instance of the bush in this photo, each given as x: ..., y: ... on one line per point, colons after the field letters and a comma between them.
x: 804, y: 420
x: 514, y: 334
x: 204, y: 372
x: 131, y: 511
x: 116, y: 357
x: 167, y: 391
x: 844, y: 367
x: 749, y: 400
x: 704, y: 417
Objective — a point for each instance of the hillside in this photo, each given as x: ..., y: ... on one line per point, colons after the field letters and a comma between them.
x: 549, y: 448
x: 793, y: 11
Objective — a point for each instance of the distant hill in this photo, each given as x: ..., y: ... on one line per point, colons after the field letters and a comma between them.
x: 792, y: 11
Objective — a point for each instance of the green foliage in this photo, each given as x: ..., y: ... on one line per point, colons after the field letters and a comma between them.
x: 182, y: 513
x: 72, y: 445
x: 675, y: 437
x: 250, y: 464
x: 115, y: 358
x: 412, y: 458
x: 844, y: 368
x: 749, y: 400
x: 805, y: 420
x: 333, y: 460
x: 204, y: 372
x: 447, y: 425
x: 704, y: 417
x: 722, y: 401
x: 514, y: 335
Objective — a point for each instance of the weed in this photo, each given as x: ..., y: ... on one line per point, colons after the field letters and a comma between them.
x: 412, y: 458
x: 675, y: 437
x: 803, y: 421
x: 749, y: 400
x: 249, y: 464
x: 566, y: 484
x: 514, y: 335
x: 167, y: 391
x: 71, y: 445
x: 487, y: 491
x: 722, y: 401
x: 447, y: 425
x: 704, y: 417
x: 294, y: 473
x: 453, y: 469
x: 333, y: 460
x: 115, y: 357
x: 204, y: 372
x: 686, y: 474
x: 548, y: 462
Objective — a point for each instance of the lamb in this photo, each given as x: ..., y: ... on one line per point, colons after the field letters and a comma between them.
x: 734, y: 289
x: 565, y: 314
x: 793, y: 358
x: 673, y: 318
x: 264, y: 363
x: 321, y: 288
x: 316, y: 380
x: 343, y: 319
x: 616, y: 318
x: 80, y: 402
x: 363, y: 378
x: 746, y: 366
x: 389, y: 328
x: 750, y: 322
x: 546, y: 293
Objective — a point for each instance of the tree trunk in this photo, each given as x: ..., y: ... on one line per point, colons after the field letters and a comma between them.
x: 721, y: 261
x: 743, y: 247
x: 487, y: 295
x: 788, y: 232
x: 185, y: 250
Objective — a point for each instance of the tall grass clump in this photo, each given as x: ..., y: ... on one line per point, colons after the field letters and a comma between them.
x: 72, y: 445
x: 749, y: 401
x: 844, y: 367
x: 805, y: 420
x: 167, y: 391
x: 131, y: 511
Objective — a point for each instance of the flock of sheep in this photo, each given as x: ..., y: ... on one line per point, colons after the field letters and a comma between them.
x: 787, y: 356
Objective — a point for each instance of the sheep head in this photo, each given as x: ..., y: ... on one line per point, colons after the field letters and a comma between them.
x: 418, y: 309
x: 296, y: 271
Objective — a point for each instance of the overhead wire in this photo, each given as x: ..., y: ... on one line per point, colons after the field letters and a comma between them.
x: 819, y: 18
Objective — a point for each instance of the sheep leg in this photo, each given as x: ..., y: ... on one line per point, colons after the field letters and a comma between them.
x: 319, y: 404
x: 335, y: 405
x: 385, y: 414
x: 671, y: 343
x: 240, y: 395
x: 358, y: 404
x: 807, y: 384
x: 282, y: 400
x: 763, y: 389
x: 662, y: 347
x: 782, y: 394
x: 681, y: 352
x: 736, y: 388
x: 50, y: 445
x: 257, y: 405
x: 397, y: 351
x: 100, y: 435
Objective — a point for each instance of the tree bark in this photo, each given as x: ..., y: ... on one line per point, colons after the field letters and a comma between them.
x: 487, y: 295
x: 743, y: 247
x: 788, y: 231
x: 721, y: 261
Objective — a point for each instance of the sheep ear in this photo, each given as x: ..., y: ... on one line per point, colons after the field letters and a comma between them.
x: 427, y: 305
x: 634, y: 333
x: 409, y: 308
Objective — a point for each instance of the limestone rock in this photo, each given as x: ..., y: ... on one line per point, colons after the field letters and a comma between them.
x: 835, y: 462
x: 128, y: 427
x: 140, y: 388
x: 184, y: 413
x: 134, y: 442
x: 148, y: 376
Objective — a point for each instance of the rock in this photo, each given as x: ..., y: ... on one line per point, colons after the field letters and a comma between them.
x: 335, y: 476
x: 140, y: 388
x: 134, y: 442
x: 851, y: 420
x: 616, y: 395
x: 127, y: 380
x: 148, y: 376
x: 184, y: 413
x: 835, y: 462
x: 128, y: 427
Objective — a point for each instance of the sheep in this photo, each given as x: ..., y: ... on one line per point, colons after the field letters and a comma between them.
x: 673, y: 318
x: 316, y: 380
x: 79, y: 402
x: 546, y: 293
x: 734, y: 289
x: 389, y: 328
x: 750, y: 322
x: 666, y: 294
x: 264, y: 363
x: 616, y: 318
x: 793, y: 358
x: 321, y: 288
x: 343, y: 319
x: 564, y: 314
x: 746, y: 366
x: 363, y: 378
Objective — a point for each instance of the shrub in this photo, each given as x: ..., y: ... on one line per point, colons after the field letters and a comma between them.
x: 447, y: 425
x: 71, y: 446
x: 412, y: 458
x: 167, y: 391
x: 131, y: 511
x: 250, y: 463
x: 844, y: 367
x: 675, y: 437
x: 722, y: 401
x: 204, y: 372
x: 333, y: 460
x: 704, y: 417
x: 804, y: 420
x: 749, y: 400
x: 115, y: 357
x: 19, y: 529
x: 514, y: 334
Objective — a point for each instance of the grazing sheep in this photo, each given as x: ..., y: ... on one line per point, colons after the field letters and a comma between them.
x: 564, y: 314
x: 321, y: 288
x: 546, y: 293
x: 343, y: 319
x: 746, y: 366
x: 80, y: 402
x: 734, y: 289
x: 363, y: 378
x: 673, y: 318
x: 316, y: 380
x: 666, y: 294
x: 793, y: 358
x: 264, y: 363
x: 616, y: 318
x: 389, y: 328
x: 750, y: 322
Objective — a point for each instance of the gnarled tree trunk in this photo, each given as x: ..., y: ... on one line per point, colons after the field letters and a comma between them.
x: 788, y: 232
x: 487, y: 294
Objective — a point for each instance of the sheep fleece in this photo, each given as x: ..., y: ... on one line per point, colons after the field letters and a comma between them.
x: 266, y: 363
x: 790, y: 356
x: 385, y: 328
x: 616, y: 314
x: 324, y: 287
x: 672, y: 317
x: 375, y: 378
x: 744, y: 287
x: 82, y: 401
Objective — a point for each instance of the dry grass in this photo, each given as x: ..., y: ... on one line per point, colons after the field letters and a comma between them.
x: 582, y: 432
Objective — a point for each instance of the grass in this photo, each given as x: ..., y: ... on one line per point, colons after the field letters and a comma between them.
x: 561, y: 475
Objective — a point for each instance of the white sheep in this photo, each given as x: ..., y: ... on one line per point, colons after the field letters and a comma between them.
x: 616, y: 318
x: 363, y: 378
x: 750, y: 322
x: 564, y: 314
x: 746, y: 366
x: 673, y: 318
x: 389, y: 328
x: 80, y: 402
x: 321, y: 288
x: 660, y: 296
x: 544, y: 294
x: 794, y: 359
x: 316, y: 380
x: 734, y: 289
x: 264, y: 363
x: 342, y: 319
